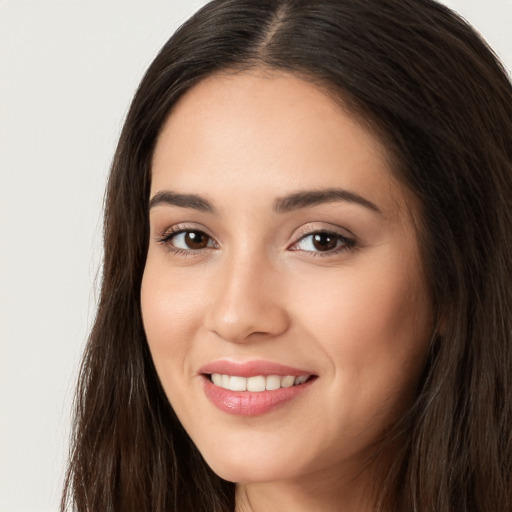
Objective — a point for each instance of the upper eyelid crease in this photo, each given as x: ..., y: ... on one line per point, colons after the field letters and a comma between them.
x: 180, y: 228
x: 312, y: 228
x: 295, y: 201
x: 168, y: 236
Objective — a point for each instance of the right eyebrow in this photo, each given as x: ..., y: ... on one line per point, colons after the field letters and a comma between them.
x: 182, y: 200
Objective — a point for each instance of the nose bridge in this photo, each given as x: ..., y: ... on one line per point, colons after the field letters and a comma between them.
x: 247, y: 301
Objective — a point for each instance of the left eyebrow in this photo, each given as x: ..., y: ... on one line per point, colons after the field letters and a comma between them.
x: 306, y: 198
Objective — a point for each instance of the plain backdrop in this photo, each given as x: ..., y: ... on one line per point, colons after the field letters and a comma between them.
x: 68, y: 69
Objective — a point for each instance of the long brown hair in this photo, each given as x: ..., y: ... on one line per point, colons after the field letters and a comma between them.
x: 433, y: 91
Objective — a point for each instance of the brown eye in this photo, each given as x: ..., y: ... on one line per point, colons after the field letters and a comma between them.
x: 196, y: 239
x: 325, y: 241
x: 190, y: 240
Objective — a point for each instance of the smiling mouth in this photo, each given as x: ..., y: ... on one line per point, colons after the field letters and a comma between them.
x: 254, y: 393
x: 257, y: 383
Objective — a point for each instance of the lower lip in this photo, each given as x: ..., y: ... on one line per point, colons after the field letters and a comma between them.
x: 250, y: 403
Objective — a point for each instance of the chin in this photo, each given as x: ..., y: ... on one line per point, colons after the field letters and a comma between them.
x: 253, y: 466
x: 244, y: 473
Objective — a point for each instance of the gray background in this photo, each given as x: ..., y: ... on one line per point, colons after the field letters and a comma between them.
x: 68, y: 70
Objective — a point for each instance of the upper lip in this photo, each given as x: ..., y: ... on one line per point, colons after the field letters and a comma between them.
x: 251, y: 368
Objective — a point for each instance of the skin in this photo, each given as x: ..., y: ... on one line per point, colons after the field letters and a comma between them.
x: 358, y: 316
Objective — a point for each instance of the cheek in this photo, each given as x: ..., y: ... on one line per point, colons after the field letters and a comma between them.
x: 373, y: 322
x: 170, y: 310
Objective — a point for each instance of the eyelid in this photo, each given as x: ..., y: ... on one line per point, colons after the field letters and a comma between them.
x: 169, y: 233
x: 310, y: 229
x: 183, y: 226
x: 321, y: 227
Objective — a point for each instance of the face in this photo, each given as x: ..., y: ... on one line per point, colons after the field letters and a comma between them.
x: 283, y: 296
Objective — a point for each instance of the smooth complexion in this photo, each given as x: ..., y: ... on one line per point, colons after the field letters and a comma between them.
x: 251, y: 262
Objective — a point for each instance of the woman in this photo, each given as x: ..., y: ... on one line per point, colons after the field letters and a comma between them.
x: 306, y: 299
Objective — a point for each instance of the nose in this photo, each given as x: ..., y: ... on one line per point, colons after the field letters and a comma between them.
x: 248, y: 302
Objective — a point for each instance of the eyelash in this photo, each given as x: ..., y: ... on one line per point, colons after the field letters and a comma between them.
x: 172, y: 233
x: 346, y: 243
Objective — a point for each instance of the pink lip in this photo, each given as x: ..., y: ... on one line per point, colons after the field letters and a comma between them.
x: 251, y: 368
x: 247, y: 403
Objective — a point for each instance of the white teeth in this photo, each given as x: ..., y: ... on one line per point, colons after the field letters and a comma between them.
x: 273, y: 382
x: 288, y: 381
x: 237, y: 383
x: 257, y: 383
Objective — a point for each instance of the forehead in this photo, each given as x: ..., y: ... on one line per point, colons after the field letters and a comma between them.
x: 262, y: 130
